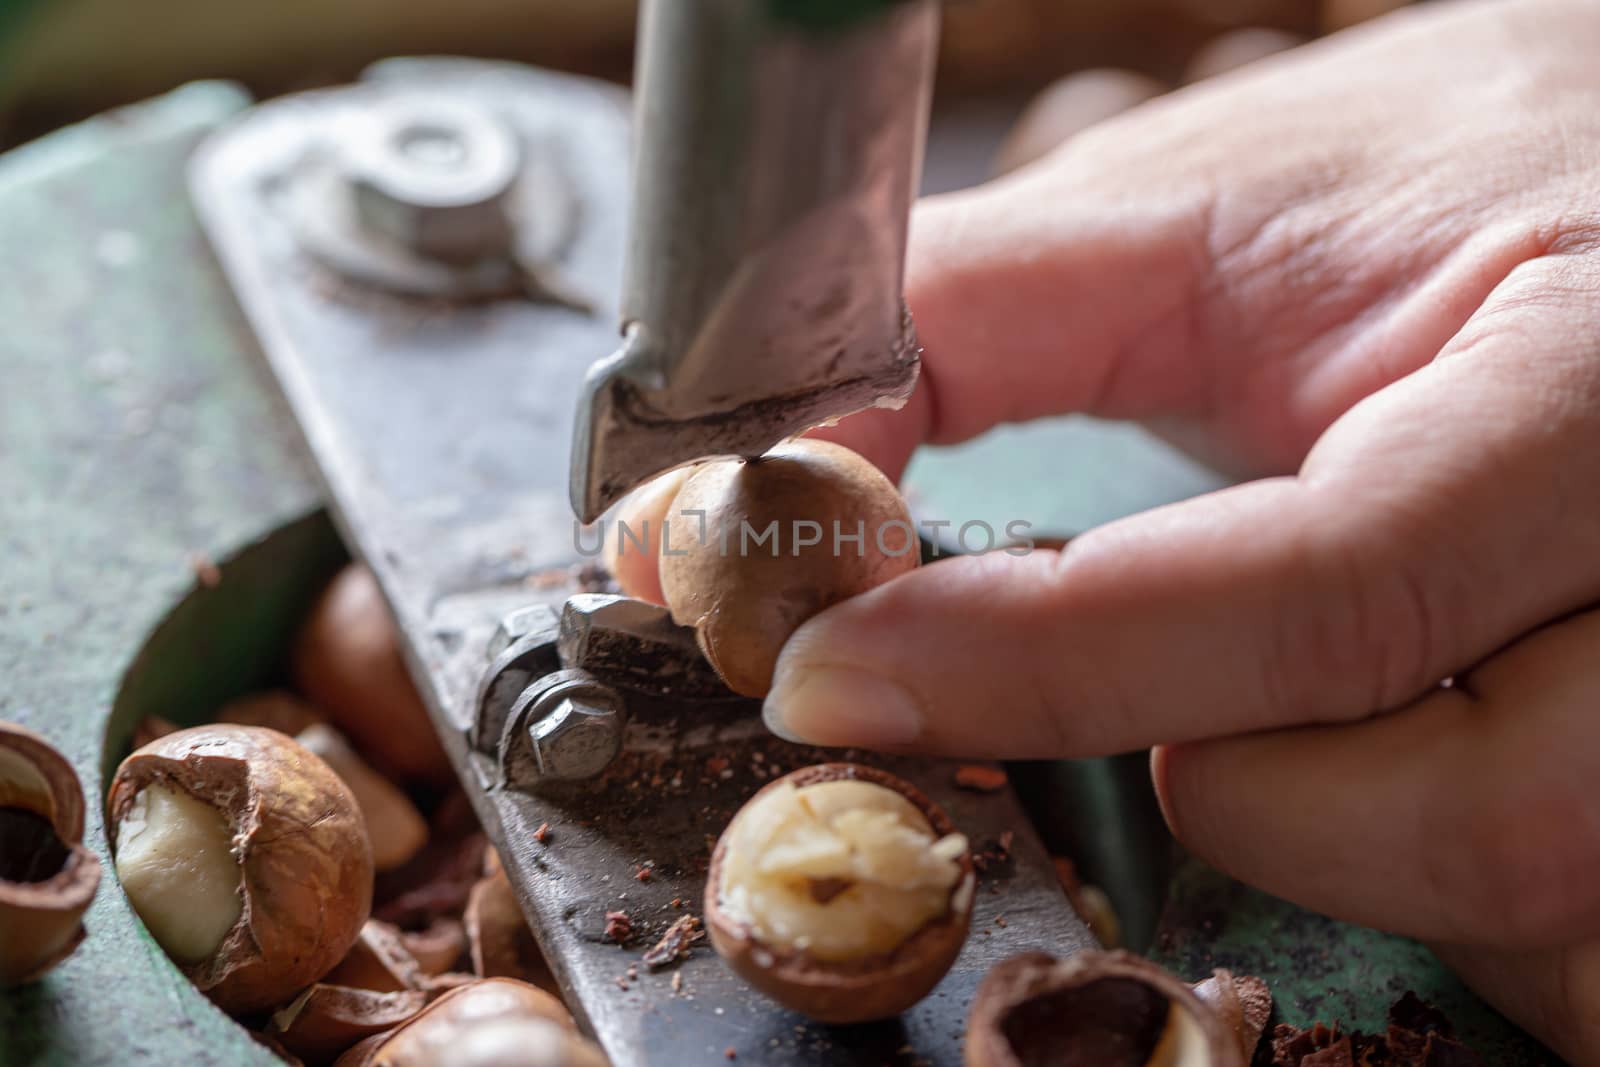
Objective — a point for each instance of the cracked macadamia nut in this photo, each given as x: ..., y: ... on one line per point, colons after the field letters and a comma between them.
x: 246, y: 857
x: 47, y: 877
x: 755, y: 547
x: 841, y: 892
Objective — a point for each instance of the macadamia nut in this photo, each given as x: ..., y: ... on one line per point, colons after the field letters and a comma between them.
x: 772, y: 541
x: 840, y: 869
x: 175, y: 859
x: 239, y: 833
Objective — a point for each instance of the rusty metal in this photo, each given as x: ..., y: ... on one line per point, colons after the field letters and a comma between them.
x: 442, y: 432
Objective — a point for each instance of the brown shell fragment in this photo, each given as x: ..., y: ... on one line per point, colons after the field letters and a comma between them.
x: 1243, y: 1003
x: 47, y: 877
x: 874, y: 987
x: 676, y: 943
x: 327, y: 1019
x: 476, y: 1026
x: 1095, y: 1009
x: 501, y: 943
x: 379, y: 961
x: 438, y: 946
x: 300, y: 843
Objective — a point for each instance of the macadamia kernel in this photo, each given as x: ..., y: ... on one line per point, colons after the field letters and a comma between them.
x: 175, y: 859
x: 839, y: 869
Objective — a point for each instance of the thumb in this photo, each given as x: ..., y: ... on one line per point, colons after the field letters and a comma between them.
x: 1437, y: 521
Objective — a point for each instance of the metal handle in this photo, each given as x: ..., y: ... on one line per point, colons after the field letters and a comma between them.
x: 777, y: 158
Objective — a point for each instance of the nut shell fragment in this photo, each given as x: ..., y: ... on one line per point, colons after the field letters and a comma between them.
x: 476, y: 1025
x: 301, y: 845
x: 502, y: 945
x: 1094, y: 1009
x: 47, y: 877
x: 848, y: 991
x: 327, y: 1019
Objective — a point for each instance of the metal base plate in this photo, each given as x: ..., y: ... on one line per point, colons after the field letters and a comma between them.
x: 442, y: 430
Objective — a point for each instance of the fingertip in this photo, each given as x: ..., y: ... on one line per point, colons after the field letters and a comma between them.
x: 833, y: 705
x: 1161, y: 780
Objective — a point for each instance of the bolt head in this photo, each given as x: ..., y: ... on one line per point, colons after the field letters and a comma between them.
x: 579, y: 736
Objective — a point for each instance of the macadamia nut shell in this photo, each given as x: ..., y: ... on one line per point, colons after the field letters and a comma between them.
x: 874, y: 987
x: 304, y: 858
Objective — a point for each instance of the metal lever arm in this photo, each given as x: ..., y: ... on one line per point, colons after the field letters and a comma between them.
x: 778, y: 150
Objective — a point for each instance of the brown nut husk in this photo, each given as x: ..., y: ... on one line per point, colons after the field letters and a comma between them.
x: 743, y: 600
x: 876, y: 986
x: 633, y: 543
x: 1243, y: 1003
x: 438, y: 946
x: 47, y: 877
x: 395, y: 827
x: 347, y: 661
x: 485, y: 1024
x: 380, y: 960
x: 1095, y: 1009
x: 502, y: 945
x: 325, y: 1020
x: 300, y: 844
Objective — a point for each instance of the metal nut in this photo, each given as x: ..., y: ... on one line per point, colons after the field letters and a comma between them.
x: 437, y: 178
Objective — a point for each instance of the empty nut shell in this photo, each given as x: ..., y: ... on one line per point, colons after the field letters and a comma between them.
x: 47, y: 877
x: 300, y: 845
x: 1095, y: 1009
x: 874, y: 986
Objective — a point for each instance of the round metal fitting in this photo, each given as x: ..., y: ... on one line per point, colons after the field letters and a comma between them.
x: 437, y: 177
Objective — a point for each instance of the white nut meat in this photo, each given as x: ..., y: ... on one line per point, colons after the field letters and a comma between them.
x: 175, y: 859
x: 840, y: 869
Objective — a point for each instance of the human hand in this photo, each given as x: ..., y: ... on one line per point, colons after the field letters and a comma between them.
x: 1371, y: 268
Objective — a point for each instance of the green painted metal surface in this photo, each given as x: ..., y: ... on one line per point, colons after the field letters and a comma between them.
x: 138, y: 429
x: 134, y: 431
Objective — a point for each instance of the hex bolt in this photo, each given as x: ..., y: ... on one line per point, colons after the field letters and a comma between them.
x: 435, y: 177
x: 575, y: 730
